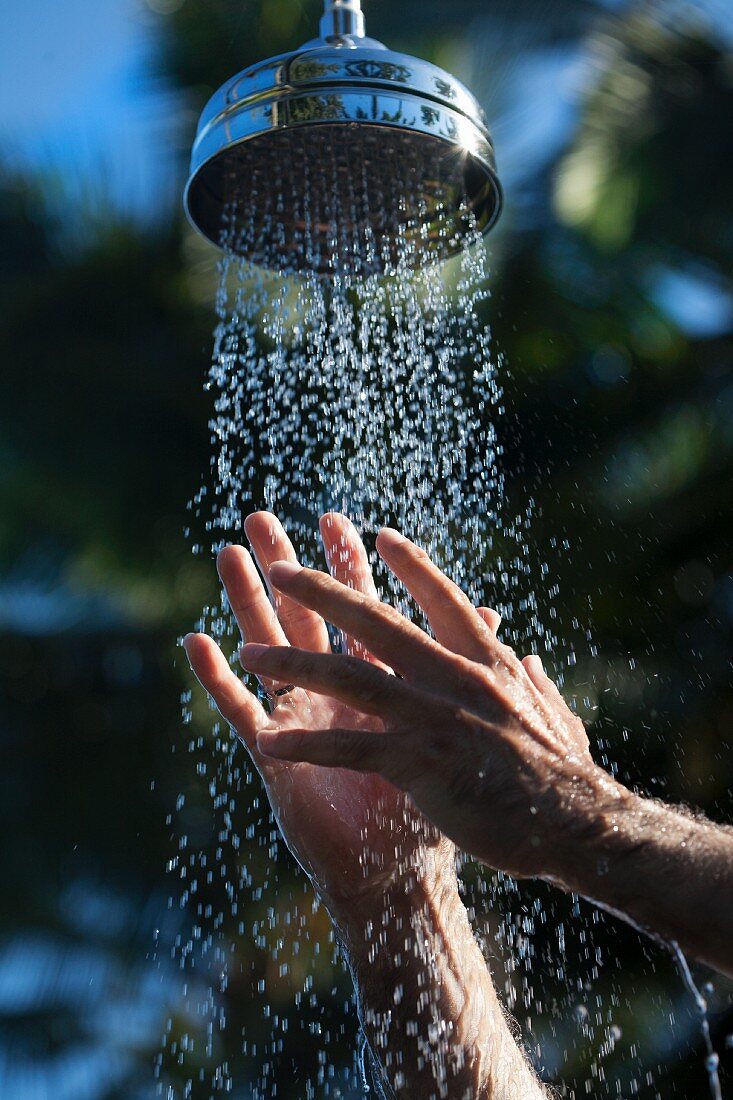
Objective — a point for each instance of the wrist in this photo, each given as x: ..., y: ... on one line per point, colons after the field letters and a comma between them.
x: 599, y: 815
x: 424, y: 990
x: 667, y: 872
x: 380, y: 921
x: 426, y: 1001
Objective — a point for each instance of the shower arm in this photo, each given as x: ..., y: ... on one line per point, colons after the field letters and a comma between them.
x: 342, y: 19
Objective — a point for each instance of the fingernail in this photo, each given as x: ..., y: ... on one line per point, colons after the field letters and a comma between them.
x: 283, y: 571
x: 491, y: 617
x: 252, y: 651
x: 535, y: 662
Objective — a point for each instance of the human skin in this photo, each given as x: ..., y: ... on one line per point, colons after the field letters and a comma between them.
x: 433, y: 1022
x: 489, y: 752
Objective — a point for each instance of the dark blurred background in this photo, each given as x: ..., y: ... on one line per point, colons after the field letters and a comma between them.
x: 613, y: 307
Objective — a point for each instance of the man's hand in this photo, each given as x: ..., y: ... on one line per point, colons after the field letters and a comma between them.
x: 488, y: 751
x: 484, y: 744
x: 387, y: 876
x: 353, y: 834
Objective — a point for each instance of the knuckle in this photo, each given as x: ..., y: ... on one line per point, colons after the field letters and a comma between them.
x: 295, y: 615
x: 400, y: 772
x: 310, y: 584
x: 245, y: 601
x: 356, y: 748
x: 461, y: 784
x: 470, y: 679
x: 354, y: 668
x: 400, y: 764
x: 443, y: 591
x: 215, y: 688
x: 318, y: 578
x: 219, y: 685
x: 357, y: 744
x: 297, y: 742
x: 418, y: 554
x: 411, y: 758
x: 293, y: 661
x: 386, y: 612
x: 506, y: 656
x: 357, y: 674
x: 325, y: 583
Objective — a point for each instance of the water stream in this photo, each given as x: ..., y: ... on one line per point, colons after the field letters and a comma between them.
x: 711, y: 1058
x: 377, y: 395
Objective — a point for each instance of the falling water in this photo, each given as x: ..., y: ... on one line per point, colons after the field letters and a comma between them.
x: 371, y: 389
x: 376, y: 395
x: 711, y: 1058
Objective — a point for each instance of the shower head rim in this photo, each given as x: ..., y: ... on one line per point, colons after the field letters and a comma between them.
x: 327, y: 83
x: 483, y: 163
x: 391, y: 72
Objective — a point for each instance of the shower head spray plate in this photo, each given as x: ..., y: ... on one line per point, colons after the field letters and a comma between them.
x: 341, y: 149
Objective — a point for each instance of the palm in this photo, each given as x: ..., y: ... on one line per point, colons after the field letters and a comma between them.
x: 346, y: 829
x: 351, y: 832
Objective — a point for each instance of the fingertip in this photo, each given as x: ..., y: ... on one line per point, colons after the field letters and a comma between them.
x: 533, y: 664
x: 251, y: 652
x: 203, y: 656
x: 491, y: 617
x: 281, y: 572
x: 188, y: 645
x: 230, y: 556
x: 193, y: 640
x: 269, y: 742
x: 331, y: 526
x: 257, y: 519
x: 329, y: 519
x: 336, y: 526
x: 390, y: 539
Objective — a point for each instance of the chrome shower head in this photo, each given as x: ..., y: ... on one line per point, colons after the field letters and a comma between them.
x: 342, y: 151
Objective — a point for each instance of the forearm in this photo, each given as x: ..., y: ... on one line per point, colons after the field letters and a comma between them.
x: 427, y: 1004
x: 664, y: 870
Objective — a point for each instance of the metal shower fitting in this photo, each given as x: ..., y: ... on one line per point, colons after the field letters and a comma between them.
x: 381, y: 123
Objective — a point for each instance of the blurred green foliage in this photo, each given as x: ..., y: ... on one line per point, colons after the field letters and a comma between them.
x: 619, y: 414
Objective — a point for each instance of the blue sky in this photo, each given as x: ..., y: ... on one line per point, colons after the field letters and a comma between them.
x: 80, y: 98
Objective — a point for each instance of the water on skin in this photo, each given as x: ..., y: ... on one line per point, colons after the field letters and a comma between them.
x: 378, y: 396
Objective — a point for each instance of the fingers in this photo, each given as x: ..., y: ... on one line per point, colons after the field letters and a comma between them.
x: 357, y: 750
x: 236, y: 704
x: 550, y: 692
x: 351, y: 681
x: 247, y: 597
x: 453, y: 618
x: 347, y: 559
x: 536, y: 671
x: 270, y: 543
x: 491, y: 618
x: 345, y: 553
x: 380, y: 629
